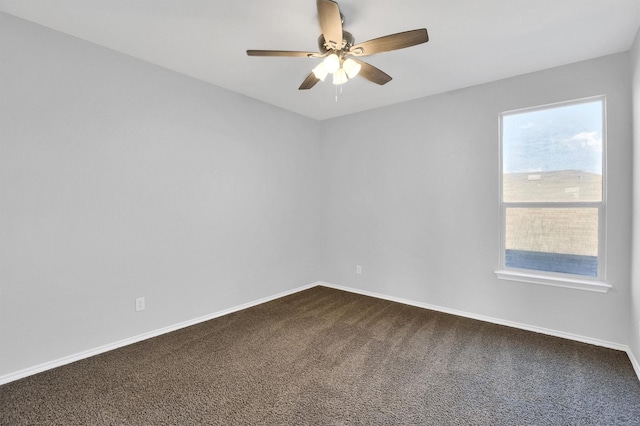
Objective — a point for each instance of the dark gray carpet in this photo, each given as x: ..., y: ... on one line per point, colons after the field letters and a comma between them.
x: 324, y: 356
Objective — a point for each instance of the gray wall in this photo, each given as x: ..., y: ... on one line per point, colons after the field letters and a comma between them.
x: 119, y: 179
x: 411, y: 194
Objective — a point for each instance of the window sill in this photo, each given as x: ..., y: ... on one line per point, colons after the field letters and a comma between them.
x: 578, y: 284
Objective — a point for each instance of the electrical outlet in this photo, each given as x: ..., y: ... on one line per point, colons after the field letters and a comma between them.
x: 140, y: 304
x: 358, y: 269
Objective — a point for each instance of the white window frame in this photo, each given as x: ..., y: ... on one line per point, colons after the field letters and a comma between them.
x: 574, y: 281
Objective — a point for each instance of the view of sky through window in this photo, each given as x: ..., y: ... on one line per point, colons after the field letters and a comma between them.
x: 564, y: 138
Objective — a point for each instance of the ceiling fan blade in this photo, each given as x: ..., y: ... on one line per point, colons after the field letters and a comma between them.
x: 390, y: 42
x: 330, y: 23
x: 309, y: 82
x: 290, y: 53
x: 372, y: 73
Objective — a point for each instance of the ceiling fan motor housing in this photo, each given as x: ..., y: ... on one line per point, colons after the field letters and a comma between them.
x: 347, y: 41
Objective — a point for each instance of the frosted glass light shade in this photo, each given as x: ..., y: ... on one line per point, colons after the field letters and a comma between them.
x: 351, y: 67
x: 320, y: 71
x: 340, y: 77
x: 331, y: 63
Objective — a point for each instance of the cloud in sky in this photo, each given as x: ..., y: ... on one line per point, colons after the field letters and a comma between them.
x: 588, y: 139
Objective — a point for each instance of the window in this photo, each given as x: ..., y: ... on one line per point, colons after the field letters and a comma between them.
x: 552, y: 194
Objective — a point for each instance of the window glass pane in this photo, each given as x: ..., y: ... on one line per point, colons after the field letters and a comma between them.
x: 554, y: 154
x: 552, y: 239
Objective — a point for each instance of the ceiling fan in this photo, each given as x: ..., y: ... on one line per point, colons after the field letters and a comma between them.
x: 340, y: 52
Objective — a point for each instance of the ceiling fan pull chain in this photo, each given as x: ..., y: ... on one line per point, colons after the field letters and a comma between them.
x: 338, y: 92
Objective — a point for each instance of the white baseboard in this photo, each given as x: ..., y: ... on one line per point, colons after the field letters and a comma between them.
x: 542, y: 330
x: 111, y: 346
x: 634, y: 362
x: 108, y: 347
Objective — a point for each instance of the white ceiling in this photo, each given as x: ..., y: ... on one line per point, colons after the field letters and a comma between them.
x: 471, y: 41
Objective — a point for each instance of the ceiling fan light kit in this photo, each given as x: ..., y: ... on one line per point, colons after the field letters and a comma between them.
x: 340, y: 52
x: 342, y: 69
